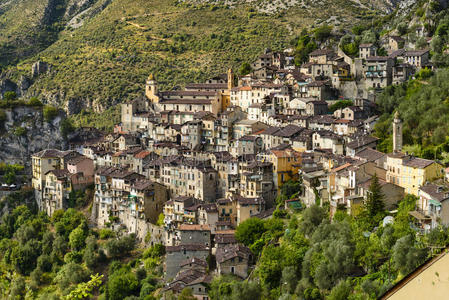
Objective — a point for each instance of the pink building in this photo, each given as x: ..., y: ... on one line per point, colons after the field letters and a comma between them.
x: 81, y: 164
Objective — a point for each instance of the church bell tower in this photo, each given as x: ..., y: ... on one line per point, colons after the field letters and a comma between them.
x: 397, y: 133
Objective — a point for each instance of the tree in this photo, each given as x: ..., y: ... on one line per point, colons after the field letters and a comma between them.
x: 270, y: 267
x: 158, y: 250
x: 421, y: 43
x: 66, y: 127
x: 186, y: 294
x: 358, y: 29
x: 122, y: 246
x: 406, y: 256
x: 18, y: 288
x: 122, y: 284
x: 70, y: 274
x: 374, y: 203
x: 84, y: 290
x: 290, y: 188
x: 146, y: 289
x: 382, y: 52
x: 304, y: 47
x: 341, y: 291
x: 44, y: 263
x: 369, y: 37
x: 322, y: 33
x: 24, y: 257
x: 47, y: 242
x: 250, y: 231
x: 402, y: 28
x: 245, y: 69
x: 289, y: 279
x: 160, y: 220
x: 311, y: 218
x: 246, y: 290
x: 77, y: 237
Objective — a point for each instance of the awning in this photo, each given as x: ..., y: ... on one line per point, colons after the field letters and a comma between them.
x: 435, y: 202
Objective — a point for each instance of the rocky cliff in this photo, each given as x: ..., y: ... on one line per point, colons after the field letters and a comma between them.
x: 16, y: 145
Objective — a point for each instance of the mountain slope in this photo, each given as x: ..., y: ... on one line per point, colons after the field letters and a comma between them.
x: 104, y: 57
x: 30, y: 26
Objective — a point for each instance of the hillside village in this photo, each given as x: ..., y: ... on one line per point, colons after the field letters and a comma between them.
x: 185, y: 167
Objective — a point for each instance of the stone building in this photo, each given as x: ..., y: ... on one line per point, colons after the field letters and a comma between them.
x: 175, y: 255
x: 233, y: 259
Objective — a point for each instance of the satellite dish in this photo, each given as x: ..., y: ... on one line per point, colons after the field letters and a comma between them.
x: 387, y: 220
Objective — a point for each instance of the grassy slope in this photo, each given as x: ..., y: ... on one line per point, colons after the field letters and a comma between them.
x: 108, y: 59
x: 25, y: 28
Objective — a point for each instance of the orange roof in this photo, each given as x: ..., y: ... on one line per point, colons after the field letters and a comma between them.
x: 341, y: 167
x: 142, y: 154
x: 194, y: 227
x: 245, y: 88
x: 116, y: 154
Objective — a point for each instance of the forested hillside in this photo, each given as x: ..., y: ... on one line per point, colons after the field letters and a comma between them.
x: 305, y: 256
x: 62, y: 258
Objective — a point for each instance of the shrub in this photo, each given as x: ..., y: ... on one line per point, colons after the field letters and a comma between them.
x: 50, y: 113
x: 157, y: 250
x: 323, y: 32
x: 20, y: 131
x: 106, y: 233
x: 424, y: 74
x: 10, y: 96
x: 34, y: 102
x: 340, y: 105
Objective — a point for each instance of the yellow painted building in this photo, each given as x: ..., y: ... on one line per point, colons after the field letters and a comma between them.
x: 57, y: 189
x: 411, y: 172
x: 286, y: 164
x: 41, y: 163
x: 226, y: 96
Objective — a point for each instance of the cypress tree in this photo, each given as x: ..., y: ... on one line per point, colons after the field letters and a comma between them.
x: 375, y: 199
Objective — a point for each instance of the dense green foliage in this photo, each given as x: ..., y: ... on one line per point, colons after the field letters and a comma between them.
x: 9, y: 172
x: 58, y: 257
x: 340, y: 105
x: 310, y: 257
x: 419, y: 103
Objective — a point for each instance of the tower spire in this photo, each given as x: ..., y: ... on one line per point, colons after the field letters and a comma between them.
x: 397, y: 133
x: 230, y: 79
